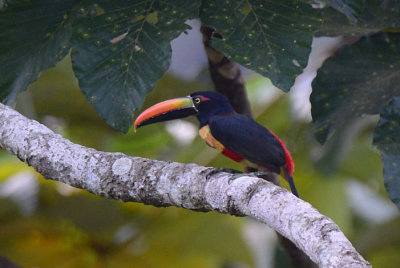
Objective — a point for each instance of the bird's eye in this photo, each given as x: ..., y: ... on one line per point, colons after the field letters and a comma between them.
x: 197, y: 100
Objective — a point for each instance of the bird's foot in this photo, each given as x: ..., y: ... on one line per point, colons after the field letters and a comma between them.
x: 236, y: 176
x: 269, y: 176
x: 220, y: 170
x: 259, y: 173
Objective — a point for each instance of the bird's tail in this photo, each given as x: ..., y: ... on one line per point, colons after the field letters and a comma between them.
x: 292, y: 186
x: 285, y: 174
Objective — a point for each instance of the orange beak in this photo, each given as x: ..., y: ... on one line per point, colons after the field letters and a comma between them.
x: 166, y: 110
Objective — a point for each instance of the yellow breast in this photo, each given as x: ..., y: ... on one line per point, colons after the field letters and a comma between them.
x: 205, y: 134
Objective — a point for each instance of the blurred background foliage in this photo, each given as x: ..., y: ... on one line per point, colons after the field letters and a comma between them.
x: 48, y: 224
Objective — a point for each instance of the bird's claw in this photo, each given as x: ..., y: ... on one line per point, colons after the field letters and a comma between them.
x: 259, y: 173
x: 219, y: 170
x: 265, y: 175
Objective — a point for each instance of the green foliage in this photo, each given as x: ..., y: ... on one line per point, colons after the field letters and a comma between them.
x: 273, y: 39
x: 34, y: 36
x: 366, y: 76
x: 121, y: 48
x: 387, y: 139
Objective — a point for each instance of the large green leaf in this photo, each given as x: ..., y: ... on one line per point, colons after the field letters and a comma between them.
x: 360, y: 79
x: 387, y: 139
x: 373, y: 17
x: 34, y: 36
x: 120, y: 50
x: 272, y: 38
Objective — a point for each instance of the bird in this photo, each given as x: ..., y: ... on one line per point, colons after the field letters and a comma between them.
x: 235, y: 135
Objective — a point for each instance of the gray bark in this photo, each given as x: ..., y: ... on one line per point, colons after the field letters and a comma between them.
x: 158, y: 183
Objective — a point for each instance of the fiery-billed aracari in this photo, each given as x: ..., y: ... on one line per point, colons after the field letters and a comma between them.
x: 234, y: 135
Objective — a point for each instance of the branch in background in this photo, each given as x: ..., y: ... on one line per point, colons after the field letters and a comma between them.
x: 228, y: 80
x: 226, y: 75
x: 126, y: 178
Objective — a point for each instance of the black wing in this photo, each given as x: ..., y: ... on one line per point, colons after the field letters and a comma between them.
x: 249, y: 139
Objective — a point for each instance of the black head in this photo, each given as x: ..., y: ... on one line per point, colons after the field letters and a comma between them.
x: 210, y: 103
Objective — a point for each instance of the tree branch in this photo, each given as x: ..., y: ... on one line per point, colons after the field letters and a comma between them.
x: 226, y: 75
x: 158, y: 183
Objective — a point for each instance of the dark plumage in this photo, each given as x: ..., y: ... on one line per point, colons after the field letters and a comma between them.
x: 235, y: 135
x: 253, y: 142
